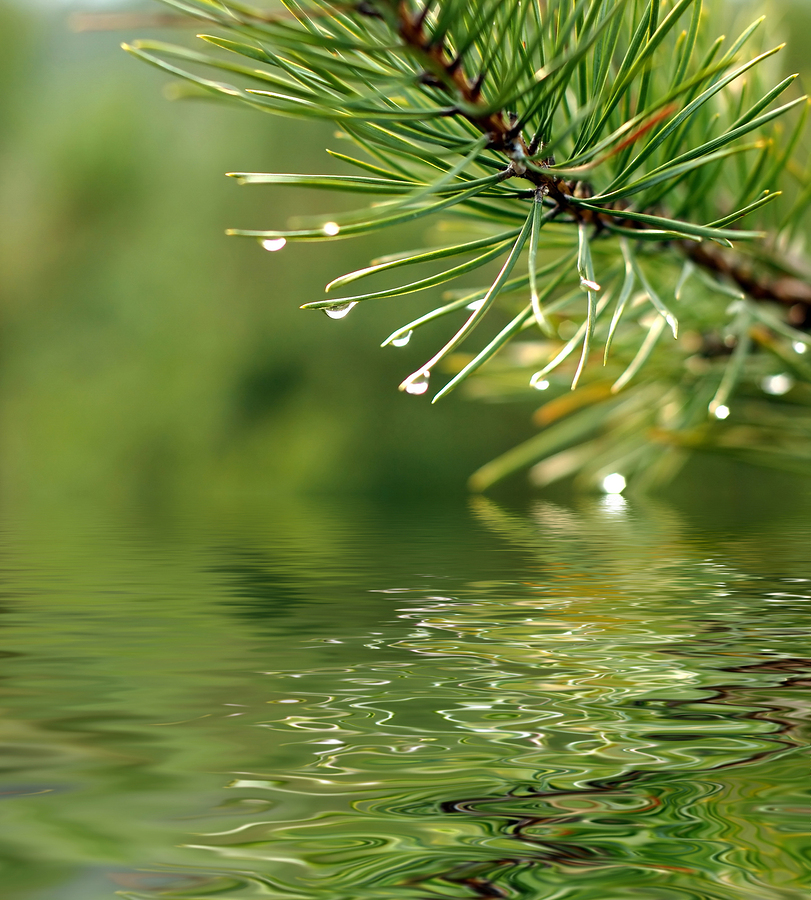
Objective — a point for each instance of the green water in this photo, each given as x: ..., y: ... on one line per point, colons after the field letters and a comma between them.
x: 607, y: 700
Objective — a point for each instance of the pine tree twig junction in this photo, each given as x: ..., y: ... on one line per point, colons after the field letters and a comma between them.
x: 618, y: 178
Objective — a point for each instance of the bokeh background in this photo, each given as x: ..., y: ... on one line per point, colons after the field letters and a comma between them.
x: 144, y: 354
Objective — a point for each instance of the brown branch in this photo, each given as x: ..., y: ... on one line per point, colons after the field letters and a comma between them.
x: 447, y: 73
x: 786, y: 291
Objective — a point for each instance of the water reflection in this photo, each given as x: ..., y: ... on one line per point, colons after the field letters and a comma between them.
x: 328, y: 703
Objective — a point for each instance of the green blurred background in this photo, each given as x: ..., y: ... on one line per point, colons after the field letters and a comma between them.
x: 145, y: 355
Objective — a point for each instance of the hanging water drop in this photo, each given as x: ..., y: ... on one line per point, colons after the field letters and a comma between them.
x: 417, y: 383
x: 476, y: 304
x: 331, y: 229
x: 720, y: 412
x: 538, y: 382
x: 274, y: 244
x: 341, y: 311
x: 403, y: 339
x: 800, y: 347
x: 777, y: 385
x: 614, y: 483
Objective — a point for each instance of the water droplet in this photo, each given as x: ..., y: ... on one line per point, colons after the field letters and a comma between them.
x: 274, y: 244
x: 476, y: 304
x: 800, y: 347
x: 540, y: 385
x: 331, y: 228
x: 417, y: 383
x: 402, y: 340
x: 776, y: 385
x: 341, y: 311
x: 720, y: 412
x: 614, y: 483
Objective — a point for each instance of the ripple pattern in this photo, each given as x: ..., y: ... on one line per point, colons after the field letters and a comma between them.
x: 609, y: 725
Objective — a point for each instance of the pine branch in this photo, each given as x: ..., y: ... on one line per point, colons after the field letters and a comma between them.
x: 447, y: 74
x: 600, y: 147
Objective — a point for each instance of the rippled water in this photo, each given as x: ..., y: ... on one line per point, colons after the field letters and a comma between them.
x: 329, y: 703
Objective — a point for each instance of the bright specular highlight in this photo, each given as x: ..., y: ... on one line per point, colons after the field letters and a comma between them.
x: 614, y: 483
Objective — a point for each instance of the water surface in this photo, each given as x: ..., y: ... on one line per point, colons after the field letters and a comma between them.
x: 331, y: 702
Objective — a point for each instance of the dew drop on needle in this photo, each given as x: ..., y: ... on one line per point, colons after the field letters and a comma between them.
x: 417, y: 384
x: 341, y: 311
x: 402, y: 340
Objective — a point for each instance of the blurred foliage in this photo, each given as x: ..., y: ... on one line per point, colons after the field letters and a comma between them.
x: 146, y: 356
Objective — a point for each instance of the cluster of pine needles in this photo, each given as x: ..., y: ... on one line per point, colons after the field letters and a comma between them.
x: 637, y: 189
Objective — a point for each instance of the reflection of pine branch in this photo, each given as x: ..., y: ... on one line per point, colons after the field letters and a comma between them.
x: 547, y: 837
x: 600, y: 147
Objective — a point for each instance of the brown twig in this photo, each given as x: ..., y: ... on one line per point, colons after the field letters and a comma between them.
x: 784, y: 290
x: 448, y: 74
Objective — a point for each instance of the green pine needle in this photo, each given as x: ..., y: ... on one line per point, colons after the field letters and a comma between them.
x: 663, y: 137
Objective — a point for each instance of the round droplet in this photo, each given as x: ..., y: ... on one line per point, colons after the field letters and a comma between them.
x: 541, y: 385
x: 476, y: 304
x: 800, y: 347
x: 274, y: 244
x: 402, y: 340
x: 417, y: 383
x: 777, y: 385
x: 341, y: 311
x: 720, y: 412
x: 614, y: 483
x: 331, y: 228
